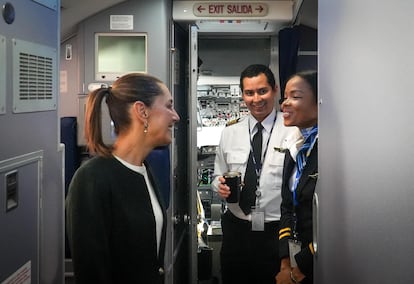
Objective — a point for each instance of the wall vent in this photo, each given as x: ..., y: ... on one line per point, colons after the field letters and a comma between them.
x: 3, y: 66
x: 34, y: 67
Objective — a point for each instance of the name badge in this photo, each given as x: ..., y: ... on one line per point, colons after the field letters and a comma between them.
x: 294, y: 248
x: 257, y: 220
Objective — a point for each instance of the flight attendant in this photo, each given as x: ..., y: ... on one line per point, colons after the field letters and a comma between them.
x: 300, y: 174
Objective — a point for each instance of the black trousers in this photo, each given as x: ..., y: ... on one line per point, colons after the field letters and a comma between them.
x: 248, y: 256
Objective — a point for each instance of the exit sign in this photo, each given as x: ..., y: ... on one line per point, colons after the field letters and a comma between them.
x: 230, y: 9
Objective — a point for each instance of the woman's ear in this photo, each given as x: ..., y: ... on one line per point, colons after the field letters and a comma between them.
x: 140, y: 109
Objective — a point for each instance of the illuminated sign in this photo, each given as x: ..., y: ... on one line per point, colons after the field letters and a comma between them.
x: 230, y: 9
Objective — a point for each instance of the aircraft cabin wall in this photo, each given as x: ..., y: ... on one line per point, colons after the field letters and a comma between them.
x: 31, y: 157
x: 226, y: 56
x: 150, y: 17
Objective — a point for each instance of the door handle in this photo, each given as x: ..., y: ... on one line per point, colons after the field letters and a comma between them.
x: 186, y: 219
x: 315, y: 224
x: 176, y: 219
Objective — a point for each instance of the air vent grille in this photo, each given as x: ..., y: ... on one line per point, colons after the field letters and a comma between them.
x: 35, y: 69
x: 36, y: 77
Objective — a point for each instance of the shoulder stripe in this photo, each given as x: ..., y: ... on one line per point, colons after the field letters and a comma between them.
x: 287, y: 229
x: 285, y: 232
x: 311, y: 248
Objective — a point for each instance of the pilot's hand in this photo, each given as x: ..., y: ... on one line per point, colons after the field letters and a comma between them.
x: 223, y: 189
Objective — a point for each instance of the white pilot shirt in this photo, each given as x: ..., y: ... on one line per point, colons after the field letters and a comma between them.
x: 233, y: 153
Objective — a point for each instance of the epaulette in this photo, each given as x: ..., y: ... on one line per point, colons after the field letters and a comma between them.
x: 231, y: 122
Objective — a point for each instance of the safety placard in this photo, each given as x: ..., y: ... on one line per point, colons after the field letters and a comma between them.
x: 22, y: 276
x: 230, y: 9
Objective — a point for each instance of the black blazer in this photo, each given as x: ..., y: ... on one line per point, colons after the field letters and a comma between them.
x: 111, y: 226
x: 304, y: 195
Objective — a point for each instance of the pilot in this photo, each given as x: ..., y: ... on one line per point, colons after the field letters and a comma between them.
x: 249, y: 252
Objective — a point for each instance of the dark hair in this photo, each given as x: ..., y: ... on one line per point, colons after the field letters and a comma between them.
x: 124, y: 92
x: 311, y: 77
x: 255, y: 70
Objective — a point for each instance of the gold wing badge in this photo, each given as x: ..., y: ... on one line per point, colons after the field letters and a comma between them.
x: 231, y: 122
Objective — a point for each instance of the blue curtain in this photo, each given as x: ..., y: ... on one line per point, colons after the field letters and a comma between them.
x: 159, y: 160
x: 288, y: 54
x: 68, y: 136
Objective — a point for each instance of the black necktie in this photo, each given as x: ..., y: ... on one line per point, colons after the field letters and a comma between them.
x: 248, y: 194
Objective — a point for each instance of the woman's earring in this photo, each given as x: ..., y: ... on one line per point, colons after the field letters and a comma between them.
x: 145, y: 126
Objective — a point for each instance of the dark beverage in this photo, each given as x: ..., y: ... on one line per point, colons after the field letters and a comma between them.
x: 233, y: 180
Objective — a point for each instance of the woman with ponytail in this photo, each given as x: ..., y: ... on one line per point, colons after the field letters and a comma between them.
x: 116, y: 219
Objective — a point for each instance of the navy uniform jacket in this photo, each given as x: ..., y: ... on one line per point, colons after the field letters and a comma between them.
x: 304, y: 194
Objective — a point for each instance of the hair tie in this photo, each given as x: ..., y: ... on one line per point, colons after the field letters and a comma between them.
x: 108, y: 91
